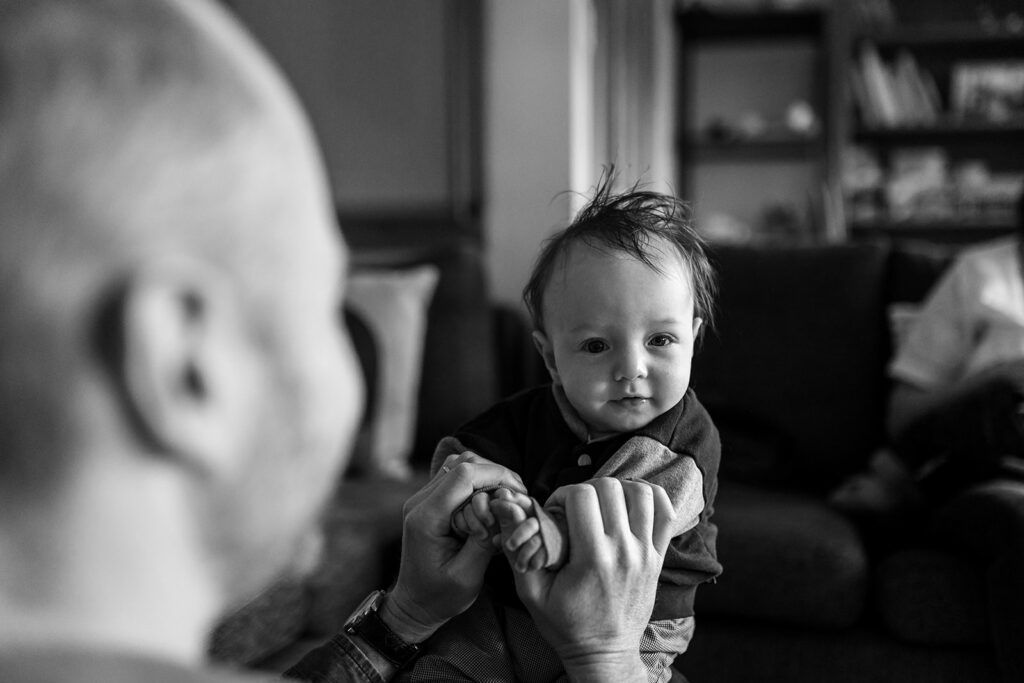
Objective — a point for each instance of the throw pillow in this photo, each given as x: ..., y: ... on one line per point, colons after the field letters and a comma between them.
x: 394, y: 305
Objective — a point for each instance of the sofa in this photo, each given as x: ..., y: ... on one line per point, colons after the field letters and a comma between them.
x: 794, y: 376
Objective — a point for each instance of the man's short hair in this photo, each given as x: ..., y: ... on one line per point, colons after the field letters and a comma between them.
x: 124, y: 130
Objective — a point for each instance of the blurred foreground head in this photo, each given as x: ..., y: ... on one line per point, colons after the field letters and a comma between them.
x: 170, y: 277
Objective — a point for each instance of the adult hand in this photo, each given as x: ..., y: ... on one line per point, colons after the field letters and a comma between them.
x: 440, y: 573
x: 593, y: 609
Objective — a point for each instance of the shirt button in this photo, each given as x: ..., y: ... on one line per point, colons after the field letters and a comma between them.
x: 583, y: 460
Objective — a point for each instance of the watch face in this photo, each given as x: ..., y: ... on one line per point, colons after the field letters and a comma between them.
x: 369, y: 603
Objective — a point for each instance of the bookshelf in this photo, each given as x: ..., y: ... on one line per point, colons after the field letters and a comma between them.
x: 754, y: 134
x: 947, y: 144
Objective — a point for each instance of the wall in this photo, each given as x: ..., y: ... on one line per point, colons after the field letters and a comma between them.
x: 570, y: 87
x: 526, y: 134
x: 372, y: 76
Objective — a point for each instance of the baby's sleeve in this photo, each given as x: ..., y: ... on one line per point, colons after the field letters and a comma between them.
x: 691, y: 558
x: 645, y: 459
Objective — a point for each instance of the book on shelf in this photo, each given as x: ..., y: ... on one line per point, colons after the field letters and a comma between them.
x: 893, y: 95
x: 880, y: 103
x: 919, y: 94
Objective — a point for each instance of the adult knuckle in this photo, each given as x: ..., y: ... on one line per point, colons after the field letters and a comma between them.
x: 579, y: 493
x: 461, y: 472
x: 642, y: 490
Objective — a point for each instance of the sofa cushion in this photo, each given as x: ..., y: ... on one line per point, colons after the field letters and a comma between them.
x: 927, y: 596
x: 394, y: 303
x: 737, y: 651
x: 459, y: 371
x: 786, y: 558
x: 794, y: 373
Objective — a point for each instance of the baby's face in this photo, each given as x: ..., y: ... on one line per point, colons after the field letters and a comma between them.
x: 619, y: 336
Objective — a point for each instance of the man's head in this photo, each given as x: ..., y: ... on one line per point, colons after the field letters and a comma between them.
x: 618, y: 300
x: 170, y: 278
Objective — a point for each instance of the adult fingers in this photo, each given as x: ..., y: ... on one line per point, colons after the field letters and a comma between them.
x: 583, y: 518
x: 664, y: 519
x: 640, y: 505
x: 474, y: 472
x: 449, y: 491
x: 611, y: 498
x: 452, y: 462
x: 460, y: 524
x: 533, y: 586
x: 471, y: 560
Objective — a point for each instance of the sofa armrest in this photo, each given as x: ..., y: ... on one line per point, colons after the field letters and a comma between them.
x: 518, y: 364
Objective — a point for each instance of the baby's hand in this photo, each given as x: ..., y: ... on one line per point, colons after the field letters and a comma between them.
x: 535, y: 537
x: 474, y: 519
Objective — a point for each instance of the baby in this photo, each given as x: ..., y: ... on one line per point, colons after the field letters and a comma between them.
x: 618, y: 300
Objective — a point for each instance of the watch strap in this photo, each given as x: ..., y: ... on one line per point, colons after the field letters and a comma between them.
x: 369, y: 626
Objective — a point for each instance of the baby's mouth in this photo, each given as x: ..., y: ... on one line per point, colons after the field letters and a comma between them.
x: 632, y: 400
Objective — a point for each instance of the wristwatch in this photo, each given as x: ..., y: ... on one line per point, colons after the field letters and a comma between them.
x: 366, y: 623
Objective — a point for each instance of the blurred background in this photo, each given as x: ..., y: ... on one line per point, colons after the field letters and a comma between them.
x: 780, y: 120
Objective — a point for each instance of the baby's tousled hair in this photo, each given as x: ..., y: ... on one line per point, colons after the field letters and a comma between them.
x: 628, y: 223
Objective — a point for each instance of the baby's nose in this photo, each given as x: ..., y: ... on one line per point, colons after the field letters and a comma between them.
x: 631, y: 365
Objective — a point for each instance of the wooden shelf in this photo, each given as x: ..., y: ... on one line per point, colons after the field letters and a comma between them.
x: 724, y: 26
x: 937, y: 49
x: 756, y: 46
x: 942, y: 131
x: 963, y: 36
x: 767, y: 149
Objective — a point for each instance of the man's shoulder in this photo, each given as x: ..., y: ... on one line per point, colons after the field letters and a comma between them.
x: 40, y: 665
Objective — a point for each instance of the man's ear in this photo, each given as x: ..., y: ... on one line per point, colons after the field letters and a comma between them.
x: 547, y: 352
x: 185, y: 370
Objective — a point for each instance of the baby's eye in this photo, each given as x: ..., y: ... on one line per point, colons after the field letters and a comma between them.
x: 594, y: 346
x: 661, y: 340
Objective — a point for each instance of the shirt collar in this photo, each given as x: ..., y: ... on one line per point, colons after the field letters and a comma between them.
x: 572, y: 418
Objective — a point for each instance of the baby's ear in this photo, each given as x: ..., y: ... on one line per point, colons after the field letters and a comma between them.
x: 547, y: 352
x: 697, y: 322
